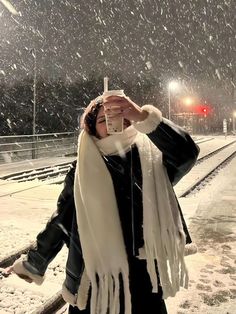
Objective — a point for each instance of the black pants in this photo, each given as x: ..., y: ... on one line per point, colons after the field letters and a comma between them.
x: 75, y: 310
x: 159, y: 308
x: 141, y: 293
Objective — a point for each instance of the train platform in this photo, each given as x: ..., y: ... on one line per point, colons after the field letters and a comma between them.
x: 210, y: 216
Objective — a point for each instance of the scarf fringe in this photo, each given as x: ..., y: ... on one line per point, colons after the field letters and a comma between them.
x: 105, y: 293
x: 170, y: 268
x: 165, y: 244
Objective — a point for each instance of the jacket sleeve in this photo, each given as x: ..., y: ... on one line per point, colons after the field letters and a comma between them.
x: 57, y: 231
x: 178, y: 148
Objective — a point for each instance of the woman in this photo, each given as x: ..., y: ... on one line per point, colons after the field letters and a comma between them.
x: 118, y: 214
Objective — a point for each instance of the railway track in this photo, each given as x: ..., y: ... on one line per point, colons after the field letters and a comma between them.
x: 41, y: 173
x: 206, y: 167
x: 47, y: 173
x: 56, y: 174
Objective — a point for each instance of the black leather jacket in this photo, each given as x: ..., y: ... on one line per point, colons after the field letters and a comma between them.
x: 179, y: 155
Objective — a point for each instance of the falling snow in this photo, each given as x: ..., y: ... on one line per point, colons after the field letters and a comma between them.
x: 149, y: 65
x: 55, y: 54
x: 218, y: 74
x: 136, y: 43
x: 9, y: 123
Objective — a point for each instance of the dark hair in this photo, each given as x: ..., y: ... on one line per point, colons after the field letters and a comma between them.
x: 89, y: 117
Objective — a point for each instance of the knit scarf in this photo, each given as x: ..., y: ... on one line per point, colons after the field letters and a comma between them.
x: 100, y: 229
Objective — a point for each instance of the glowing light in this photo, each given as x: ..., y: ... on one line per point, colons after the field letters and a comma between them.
x: 205, y: 109
x: 188, y: 101
x: 173, y: 85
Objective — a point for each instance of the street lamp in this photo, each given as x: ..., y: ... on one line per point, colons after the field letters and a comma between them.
x: 34, y: 85
x: 33, y: 52
x: 234, y: 118
x: 173, y: 85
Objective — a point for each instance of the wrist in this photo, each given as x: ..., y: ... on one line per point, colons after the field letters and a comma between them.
x: 153, y: 119
x: 143, y: 115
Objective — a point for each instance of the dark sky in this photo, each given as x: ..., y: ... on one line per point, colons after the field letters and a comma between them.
x: 191, y: 40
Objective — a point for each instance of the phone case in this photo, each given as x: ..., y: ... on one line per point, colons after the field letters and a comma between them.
x: 114, y: 126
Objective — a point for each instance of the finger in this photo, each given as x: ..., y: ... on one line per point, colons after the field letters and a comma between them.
x: 121, y: 112
x: 126, y: 111
x: 117, y: 109
x: 115, y: 102
x: 112, y: 111
x: 130, y: 102
x: 114, y: 97
x: 115, y: 116
x: 4, y: 272
x: 112, y: 106
x: 8, y: 270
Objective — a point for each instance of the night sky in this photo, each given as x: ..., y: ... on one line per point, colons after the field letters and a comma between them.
x: 193, y: 41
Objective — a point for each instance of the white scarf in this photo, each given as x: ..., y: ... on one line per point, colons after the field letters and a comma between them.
x: 99, y: 225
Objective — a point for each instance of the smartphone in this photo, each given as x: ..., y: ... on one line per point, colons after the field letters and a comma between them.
x: 114, y: 126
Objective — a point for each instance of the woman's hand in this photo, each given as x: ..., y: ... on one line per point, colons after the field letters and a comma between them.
x: 123, y: 106
x: 5, y: 272
x: 9, y: 270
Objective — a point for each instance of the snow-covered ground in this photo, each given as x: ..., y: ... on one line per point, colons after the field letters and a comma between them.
x: 210, y: 215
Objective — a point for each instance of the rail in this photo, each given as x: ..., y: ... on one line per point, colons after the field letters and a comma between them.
x: 21, y: 147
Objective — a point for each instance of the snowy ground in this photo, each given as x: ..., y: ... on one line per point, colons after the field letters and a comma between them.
x: 210, y: 215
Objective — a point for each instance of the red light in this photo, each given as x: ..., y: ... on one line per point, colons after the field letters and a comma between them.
x: 202, y: 109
